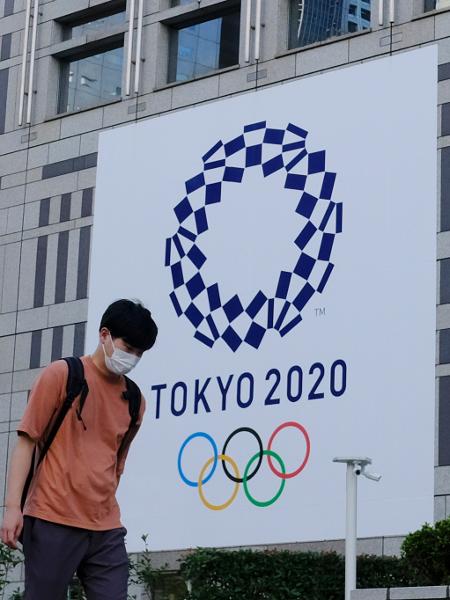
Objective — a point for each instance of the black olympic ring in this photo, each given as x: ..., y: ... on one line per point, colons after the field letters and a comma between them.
x: 258, y: 439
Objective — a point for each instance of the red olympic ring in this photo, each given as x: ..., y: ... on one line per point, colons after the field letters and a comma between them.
x: 308, y: 449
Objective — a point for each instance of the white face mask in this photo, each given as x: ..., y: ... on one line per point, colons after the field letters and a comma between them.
x: 120, y: 362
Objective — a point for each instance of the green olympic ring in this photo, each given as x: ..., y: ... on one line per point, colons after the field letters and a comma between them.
x: 266, y: 503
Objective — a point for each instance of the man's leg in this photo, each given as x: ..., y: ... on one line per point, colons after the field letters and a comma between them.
x: 104, y: 568
x: 52, y: 554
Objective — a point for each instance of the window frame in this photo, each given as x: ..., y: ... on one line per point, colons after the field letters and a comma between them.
x: 426, y: 10
x: 288, y: 49
x: 85, y: 45
x: 68, y: 22
x: 64, y: 65
x: 189, y: 18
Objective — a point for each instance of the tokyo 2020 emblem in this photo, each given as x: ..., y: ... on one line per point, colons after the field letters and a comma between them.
x: 236, y: 320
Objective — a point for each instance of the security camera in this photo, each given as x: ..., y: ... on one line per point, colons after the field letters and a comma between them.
x: 357, y: 469
x: 370, y: 475
x: 359, y: 464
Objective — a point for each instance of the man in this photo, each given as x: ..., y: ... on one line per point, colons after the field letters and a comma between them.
x: 71, y: 519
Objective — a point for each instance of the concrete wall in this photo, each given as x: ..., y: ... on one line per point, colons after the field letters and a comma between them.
x: 424, y: 593
x: 48, y: 171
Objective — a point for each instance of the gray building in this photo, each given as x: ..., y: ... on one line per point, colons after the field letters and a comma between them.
x: 70, y: 69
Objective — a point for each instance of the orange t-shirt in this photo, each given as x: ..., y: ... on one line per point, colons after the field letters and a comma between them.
x: 77, y: 480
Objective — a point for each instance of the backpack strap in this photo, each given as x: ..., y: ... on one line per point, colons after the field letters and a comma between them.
x: 133, y: 396
x: 76, y: 386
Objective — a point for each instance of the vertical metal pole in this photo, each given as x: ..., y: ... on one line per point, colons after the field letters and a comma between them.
x: 137, y: 68
x: 381, y: 12
x: 26, y: 34
x: 248, y: 26
x: 129, y: 48
x: 350, y: 534
x: 391, y: 11
x: 258, y: 29
x: 32, y: 59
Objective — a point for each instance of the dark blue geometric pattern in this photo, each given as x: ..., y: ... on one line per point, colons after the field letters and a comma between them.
x: 320, y: 219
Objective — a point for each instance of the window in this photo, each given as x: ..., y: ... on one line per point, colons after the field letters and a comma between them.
x: 96, y: 25
x: 204, y: 46
x: 181, y: 2
x: 91, y: 73
x: 435, y: 4
x: 313, y: 21
x: 92, y: 80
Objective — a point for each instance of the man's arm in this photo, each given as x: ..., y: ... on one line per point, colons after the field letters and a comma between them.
x: 45, y: 399
x: 18, y: 471
x: 132, y: 434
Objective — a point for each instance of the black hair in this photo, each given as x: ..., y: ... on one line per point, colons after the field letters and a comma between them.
x: 132, y: 322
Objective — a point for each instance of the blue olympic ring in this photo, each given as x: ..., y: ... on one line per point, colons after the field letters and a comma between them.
x: 180, y: 453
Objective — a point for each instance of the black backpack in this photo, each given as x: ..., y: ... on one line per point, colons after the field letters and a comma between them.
x: 77, y: 386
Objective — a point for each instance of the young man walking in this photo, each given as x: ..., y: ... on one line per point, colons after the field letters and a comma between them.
x: 71, y: 519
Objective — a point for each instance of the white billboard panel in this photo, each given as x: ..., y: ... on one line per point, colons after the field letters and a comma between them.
x: 285, y: 242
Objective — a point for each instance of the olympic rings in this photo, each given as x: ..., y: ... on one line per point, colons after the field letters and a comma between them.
x: 185, y: 443
x: 248, y: 474
x: 226, y: 504
x: 267, y: 453
x: 285, y: 475
x: 260, y: 453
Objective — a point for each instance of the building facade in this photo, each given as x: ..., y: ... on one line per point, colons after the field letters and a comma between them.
x: 70, y: 69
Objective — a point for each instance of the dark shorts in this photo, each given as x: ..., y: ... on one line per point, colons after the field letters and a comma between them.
x: 53, y: 553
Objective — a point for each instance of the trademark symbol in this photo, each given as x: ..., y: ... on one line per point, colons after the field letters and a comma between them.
x: 320, y: 312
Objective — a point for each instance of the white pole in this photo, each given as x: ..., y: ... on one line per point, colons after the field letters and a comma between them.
x: 32, y: 60
x: 248, y: 25
x: 356, y: 465
x: 381, y: 12
x: 258, y: 29
x: 391, y: 11
x: 137, y: 67
x: 350, y: 534
x: 26, y: 35
x: 129, y: 47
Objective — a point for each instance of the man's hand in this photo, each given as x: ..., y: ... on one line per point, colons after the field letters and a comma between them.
x: 18, y: 471
x: 12, y: 526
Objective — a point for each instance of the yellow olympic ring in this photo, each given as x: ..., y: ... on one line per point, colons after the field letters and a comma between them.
x: 200, y: 483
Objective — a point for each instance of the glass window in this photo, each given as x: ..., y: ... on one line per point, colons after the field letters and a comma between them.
x: 313, y: 21
x: 96, y: 25
x: 436, y: 4
x: 204, y: 47
x: 91, y: 80
x: 181, y: 2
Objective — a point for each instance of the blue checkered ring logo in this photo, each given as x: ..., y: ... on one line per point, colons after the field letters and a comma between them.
x: 231, y: 319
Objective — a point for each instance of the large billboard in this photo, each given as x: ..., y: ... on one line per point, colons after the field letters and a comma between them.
x: 284, y: 240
